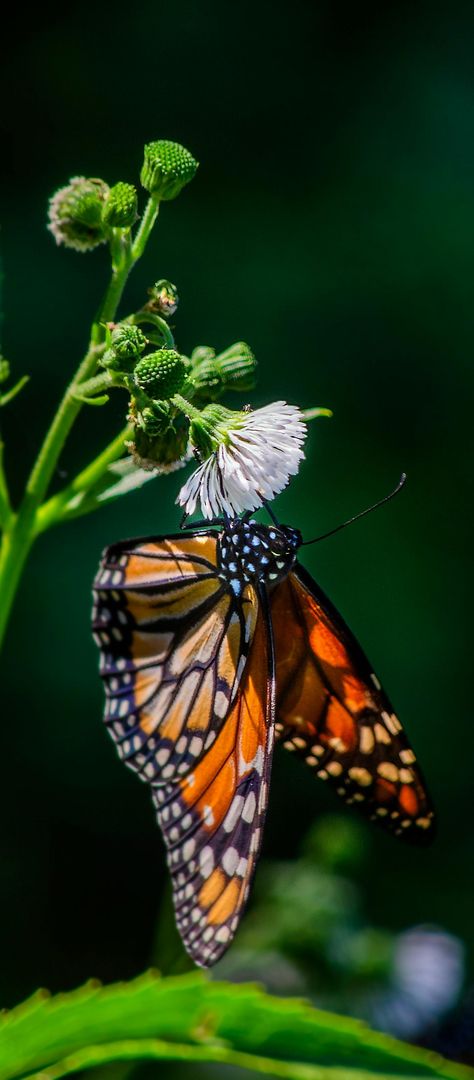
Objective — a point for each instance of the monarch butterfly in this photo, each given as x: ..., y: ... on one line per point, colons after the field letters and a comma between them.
x: 213, y: 643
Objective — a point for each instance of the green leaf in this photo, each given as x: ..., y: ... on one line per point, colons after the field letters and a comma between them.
x: 119, y: 478
x: 190, y: 1018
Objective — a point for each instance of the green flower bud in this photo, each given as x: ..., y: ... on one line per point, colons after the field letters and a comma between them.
x: 237, y: 366
x: 163, y: 298
x: 128, y: 341
x: 75, y: 213
x: 161, y: 374
x: 167, y: 168
x: 154, y: 419
x: 161, y: 439
x: 120, y: 207
x: 233, y: 369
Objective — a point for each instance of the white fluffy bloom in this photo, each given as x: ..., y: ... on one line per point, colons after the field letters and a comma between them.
x: 262, y: 449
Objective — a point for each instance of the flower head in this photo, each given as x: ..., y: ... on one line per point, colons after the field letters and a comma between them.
x: 167, y: 168
x: 75, y: 213
x: 254, y: 454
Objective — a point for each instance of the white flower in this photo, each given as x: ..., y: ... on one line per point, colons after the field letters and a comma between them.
x: 259, y: 452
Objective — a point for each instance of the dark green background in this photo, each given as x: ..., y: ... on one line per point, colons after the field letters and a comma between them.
x: 331, y: 225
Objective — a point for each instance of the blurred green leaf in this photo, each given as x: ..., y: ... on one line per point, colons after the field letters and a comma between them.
x: 191, y: 1018
x: 119, y: 478
x: 87, y: 493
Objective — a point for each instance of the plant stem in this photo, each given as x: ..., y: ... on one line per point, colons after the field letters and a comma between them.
x: 144, y: 317
x: 14, y: 550
x: 5, y: 506
x: 146, y: 225
x: 189, y: 410
x: 21, y: 528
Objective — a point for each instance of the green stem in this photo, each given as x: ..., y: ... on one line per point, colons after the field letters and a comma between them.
x: 144, y: 317
x: 14, y: 550
x: 5, y: 505
x: 146, y: 225
x: 95, y: 385
x: 189, y: 410
x: 19, y: 536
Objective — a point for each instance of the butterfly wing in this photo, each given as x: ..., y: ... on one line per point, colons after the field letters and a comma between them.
x: 212, y: 819
x: 174, y: 643
x: 331, y: 710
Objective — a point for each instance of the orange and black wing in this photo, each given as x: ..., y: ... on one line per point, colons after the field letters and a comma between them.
x: 212, y: 819
x: 174, y: 643
x: 331, y: 710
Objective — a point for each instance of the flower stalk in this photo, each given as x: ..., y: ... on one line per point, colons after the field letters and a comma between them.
x: 21, y: 528
x: 173, y: 408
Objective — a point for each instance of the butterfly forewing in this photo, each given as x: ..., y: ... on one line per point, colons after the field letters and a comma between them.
x: 331, y: 709
x: 174, y: 644
x: 212, y: 820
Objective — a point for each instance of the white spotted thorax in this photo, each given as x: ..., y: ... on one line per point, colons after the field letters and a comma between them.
x: 258, y: 453
x: 248, y: 553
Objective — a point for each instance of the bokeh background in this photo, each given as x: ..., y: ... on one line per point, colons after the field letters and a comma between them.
x: 331, y: 225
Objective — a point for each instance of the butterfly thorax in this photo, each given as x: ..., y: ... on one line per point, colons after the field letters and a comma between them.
x: 251, y: 553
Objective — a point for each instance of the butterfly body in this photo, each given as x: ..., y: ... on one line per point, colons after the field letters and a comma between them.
x: 212, y: 645
x: 257, y: 554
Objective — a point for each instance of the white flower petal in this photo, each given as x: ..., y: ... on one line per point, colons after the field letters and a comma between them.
x: 263, y: 450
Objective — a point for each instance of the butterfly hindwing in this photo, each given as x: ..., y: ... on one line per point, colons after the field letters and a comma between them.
x: 212, y: 820
x: 331, y: 709
x: 174, y: 643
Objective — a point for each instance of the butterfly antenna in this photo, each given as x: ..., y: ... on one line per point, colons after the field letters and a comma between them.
x: 362, y: 513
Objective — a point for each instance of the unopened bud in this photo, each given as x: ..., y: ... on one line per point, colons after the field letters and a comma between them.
x: 128, y: 341
x: 163, y: 298
x: 160, y: 440
x: 233, y: 369
x: 120, y: 207
x: 161, y: 374
x: 167, y: 168
x: 75, y: 213
x: 125, y: 347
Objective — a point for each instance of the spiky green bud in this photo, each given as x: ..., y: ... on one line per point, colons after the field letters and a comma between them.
x: 233, y: 369
x: 237, y: 367
x: 164, y: 298
x: 161, y: 374
x: 75, y: 213
x: 126, y: 343
x: 120, y: 207
x: 161, y: 439
x: 167, y: 168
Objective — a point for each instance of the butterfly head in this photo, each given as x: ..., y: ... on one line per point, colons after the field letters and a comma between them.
x: 248, y: 552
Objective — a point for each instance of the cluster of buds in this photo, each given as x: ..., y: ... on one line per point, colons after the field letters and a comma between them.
x: 84, y: 213
x: 161, y: 429
x: 244, y: 457
x: 165, y: 425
